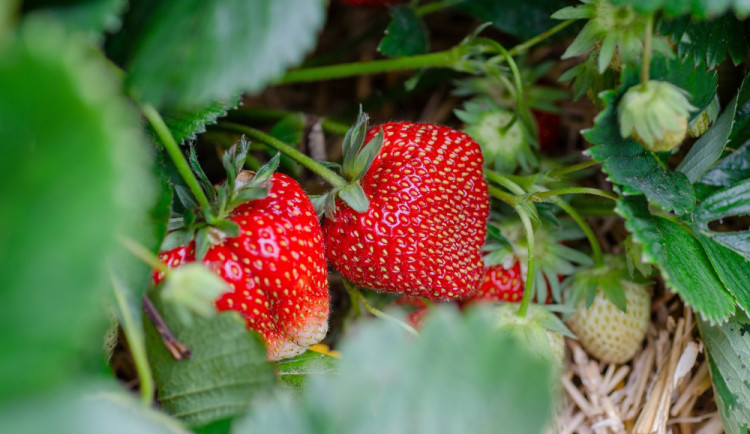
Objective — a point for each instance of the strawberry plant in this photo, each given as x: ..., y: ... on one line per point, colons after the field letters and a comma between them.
x: 281, y: 216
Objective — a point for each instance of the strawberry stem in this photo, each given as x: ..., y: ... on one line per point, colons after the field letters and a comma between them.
x: 504, y: 181
x: 503, y: 196
x: 541, y: 195
x: 358, y: 298
x: 136, y: 343
x: 596, y: 248
x: 314, y: 166
x: 530, y: 271
x: 144, y: 254
x: 646, y: 65
x: 173, y: 149
x: 563, y: 171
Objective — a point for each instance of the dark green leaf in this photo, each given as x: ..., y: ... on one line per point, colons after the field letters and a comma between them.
x: 406, y: 35
x: 86, y: 409
x: 455, y: 377
x: 265, y: 173
x: 91, y: 17
x: 190, y: 53
x: 708, y: 42
x: 76, y: 175
x: 226, y: 370
x: 296, y: 371
x: 733, y: 270
x: 521, y: 19
x: 698, y: 8
x: 187, y: 124
x: 355, y: 197
x: 728, y: 350
x: 683, y: 263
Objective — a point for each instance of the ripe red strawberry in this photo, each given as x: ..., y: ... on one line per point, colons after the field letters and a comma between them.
x: 275, y: 268
x: 501, y: 283
x: 426, y: 221
x: 549, y: 129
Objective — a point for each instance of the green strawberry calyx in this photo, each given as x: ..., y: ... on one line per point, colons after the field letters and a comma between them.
x: 211, y: 225
x: 609, y: 278
x: 357, y: 158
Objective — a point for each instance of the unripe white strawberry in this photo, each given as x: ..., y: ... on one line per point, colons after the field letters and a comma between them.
x: 655, y: 114
x: 608, y: 333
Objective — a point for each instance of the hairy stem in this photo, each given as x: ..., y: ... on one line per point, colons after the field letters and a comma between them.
x: 327, y: 174
x: 524, y: 46
x: 444, y: 59
x: 503, y: 196
x: 563, y: 171
x: 503, y: 180
x: 143, y: 254
x: 173, y: 149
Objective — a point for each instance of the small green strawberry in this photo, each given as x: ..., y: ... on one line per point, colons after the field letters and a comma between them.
x: 655, y: 115
x: 611, y: 311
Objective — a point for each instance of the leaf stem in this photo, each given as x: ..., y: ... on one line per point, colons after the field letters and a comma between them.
x: 173, y: 149
x: 436, y: 6
x: 596, y: 248
x: 314, y: 166
x: 516, y: 78
x: 136, y: 343
x: 541, y: 195
x: 646, y: 65
x: 445, y: 59
x: 357, y: 297
x: 530, y: 267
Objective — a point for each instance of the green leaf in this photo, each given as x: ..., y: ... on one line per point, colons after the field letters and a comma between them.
x: 226, y: 370
x: 683, y: 263
x: 455, y: 377
x: 91, y: 17
x: 290, y: 129
x: 76, y: 175
x: 187, y: 124
x: 523, y: 20
x: 732, y: 268
x: 190, y: 53
x: 88, y: 408
x: 406, y: 35
x: 709, y: 147
x: 727, y: 202
x: 296, y: 371
x: 697, y: 8
x: 728, y: 350
x: 355, y: 197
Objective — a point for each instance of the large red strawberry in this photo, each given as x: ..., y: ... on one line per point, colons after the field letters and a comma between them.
x: 275, y: 268
x: 426, y: 221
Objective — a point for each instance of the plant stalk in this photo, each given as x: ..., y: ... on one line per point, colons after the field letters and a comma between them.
x: 357, y: 298
x: 563, y: 171
x: 327, y: 174
x: 596, y: 248
x: 646, y: 65
x: 541, y: 195
x: 173, y: 149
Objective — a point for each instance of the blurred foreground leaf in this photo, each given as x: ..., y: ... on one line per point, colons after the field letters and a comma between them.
x: 459, y: 375
x: 75, y: 175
